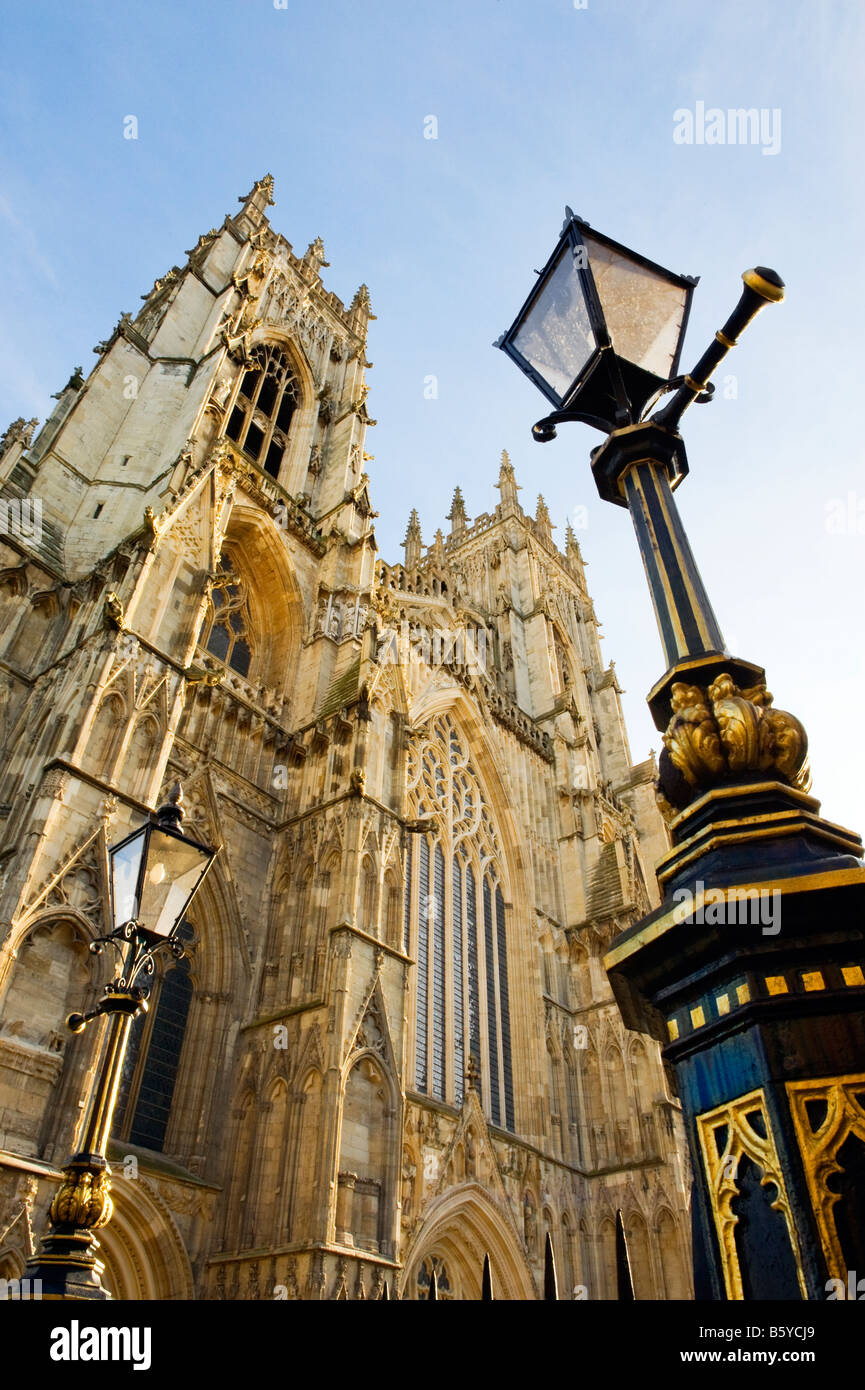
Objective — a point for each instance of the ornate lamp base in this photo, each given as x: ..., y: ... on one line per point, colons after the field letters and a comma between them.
x: 68, y: 1267
x: 66, y: 1262
x: 752, y: 974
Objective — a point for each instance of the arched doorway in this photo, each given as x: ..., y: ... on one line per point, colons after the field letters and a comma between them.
x: 460, y: 1228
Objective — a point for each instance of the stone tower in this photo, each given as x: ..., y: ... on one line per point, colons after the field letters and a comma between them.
x: 393, y: 1049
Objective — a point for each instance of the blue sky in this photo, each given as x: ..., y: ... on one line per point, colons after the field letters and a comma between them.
x: 538, y: 103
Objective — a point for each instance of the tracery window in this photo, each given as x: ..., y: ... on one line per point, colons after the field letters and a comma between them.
x: 228, y: 637
x: 265, y: 404
x: 444, y: 1292
x: 454, y: 926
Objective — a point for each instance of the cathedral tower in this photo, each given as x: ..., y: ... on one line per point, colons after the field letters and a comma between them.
x: 394, y: 1049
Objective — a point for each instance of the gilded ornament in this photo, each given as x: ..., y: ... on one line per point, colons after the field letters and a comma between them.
x: 722, y: 732
x: 727, y: 1134
x: 84, y: 1199
x: 692, y: 738
x: 738, y: 720
x: 839, y: 1101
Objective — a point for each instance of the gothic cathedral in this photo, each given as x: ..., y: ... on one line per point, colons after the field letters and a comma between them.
x: 392, y: 1050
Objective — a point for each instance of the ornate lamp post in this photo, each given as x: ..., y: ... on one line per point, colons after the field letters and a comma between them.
x: 752, y: 970
x: 155, y: 873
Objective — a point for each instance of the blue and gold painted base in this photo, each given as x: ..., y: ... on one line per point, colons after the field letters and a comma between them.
x: 752, y: 975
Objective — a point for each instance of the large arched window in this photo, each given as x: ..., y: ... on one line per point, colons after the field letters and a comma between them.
x: 228, y: 633
x: 263, y: 409
x: 454, y: 925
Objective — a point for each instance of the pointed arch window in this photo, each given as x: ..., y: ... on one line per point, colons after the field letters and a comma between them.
x: 228, y: 635
x: 263, y: 409
x: 455, y: 927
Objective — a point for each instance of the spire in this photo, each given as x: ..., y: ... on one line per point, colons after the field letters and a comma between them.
x: 413, y: 542
x: 507, y: 484
x: 261, y: 193
x: 255, y: 205
x: 542, y: 517
x: 438, y: 548
x: 457, y: 514
x: 360, y: 310
x: 572, y: 548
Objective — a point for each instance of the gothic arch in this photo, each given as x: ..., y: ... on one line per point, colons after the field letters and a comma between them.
x: 391, y: 907
x: 50, y: 971
x: 568, y: 1273
x: 277, y: 1070
x: 307, y: 1176
x: 461, y: 1227
x: 605, y: 1248
x: 310, y: 1057
x: 671, y: 1254
x: 271, y: 1146
x: 12, y: 1263
x: 38, y: 916
x: 144, y: 1254
x: 563, y: 654
x: 139, y: 761
x: 238, y: 1186
x: 212, y: 962
x: 637, y: 1235
x: 456, y: 702
x: 368, y: 1142
x: 293, y: 471
x: 368, y: 892
x: 293, y: 349
x: 106, y: 734
x: 260, y: 549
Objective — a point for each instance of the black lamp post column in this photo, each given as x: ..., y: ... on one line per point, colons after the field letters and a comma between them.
x: 638, y: 467
x: 155, y: 872
x: 67, y: 1262
x: 751, y: 973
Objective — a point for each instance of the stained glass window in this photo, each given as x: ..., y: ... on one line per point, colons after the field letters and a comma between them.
x: 455, y: 920
x: 422, y: 957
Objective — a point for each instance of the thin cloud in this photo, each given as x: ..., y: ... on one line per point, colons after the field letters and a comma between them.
x: 27, y: 242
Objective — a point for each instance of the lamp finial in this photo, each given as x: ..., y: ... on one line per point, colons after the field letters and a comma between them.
x: 170, y: 813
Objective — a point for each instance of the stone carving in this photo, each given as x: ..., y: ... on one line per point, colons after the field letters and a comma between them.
x: 112, y: 612
x: 19, y: 432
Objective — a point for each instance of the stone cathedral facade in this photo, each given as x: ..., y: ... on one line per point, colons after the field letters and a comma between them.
x: 392, y: 1049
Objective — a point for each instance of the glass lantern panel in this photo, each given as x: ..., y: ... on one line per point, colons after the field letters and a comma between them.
x: 556, y: 336
x: 643, y: 310
x: 125, y: 866
x: 174, y: 869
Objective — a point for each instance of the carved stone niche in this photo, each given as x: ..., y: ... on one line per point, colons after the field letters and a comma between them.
x: 343, y: 726
x: 346, y: 1183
